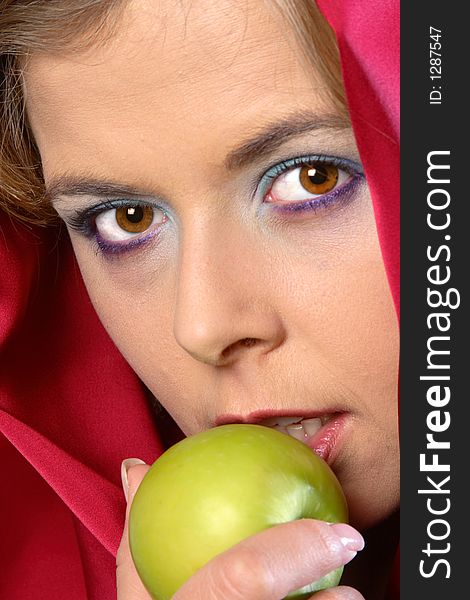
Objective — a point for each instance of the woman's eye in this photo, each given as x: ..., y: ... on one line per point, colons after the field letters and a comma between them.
x: 129, y: 221
x: 306, y: 182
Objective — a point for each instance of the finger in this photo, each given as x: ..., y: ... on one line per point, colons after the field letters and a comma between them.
x: 270, y: 564
x: 129, y: 585
x: 341, y: 592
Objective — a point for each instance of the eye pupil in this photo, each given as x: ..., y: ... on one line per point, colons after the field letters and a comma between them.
x: 317, y: 175
x: 319, y: 178
x: 134, y: 214
x: 134, y: 219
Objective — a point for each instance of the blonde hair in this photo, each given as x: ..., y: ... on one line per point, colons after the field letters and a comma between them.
x: 51, y: 25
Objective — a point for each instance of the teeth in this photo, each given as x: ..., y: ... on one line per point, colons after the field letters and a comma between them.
x: 311, y: 426
x: 297, y: 431
x: 281, y: 421
x: 301, y: 429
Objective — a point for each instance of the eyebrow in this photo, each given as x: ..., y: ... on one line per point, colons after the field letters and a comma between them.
x: 262, y: 143
x: 72, y: 185
x: 271, y: 136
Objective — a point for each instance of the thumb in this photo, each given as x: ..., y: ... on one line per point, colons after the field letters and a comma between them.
x: 129, y: 585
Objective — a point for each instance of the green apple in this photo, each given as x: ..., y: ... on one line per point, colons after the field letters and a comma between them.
x: 212, y: 490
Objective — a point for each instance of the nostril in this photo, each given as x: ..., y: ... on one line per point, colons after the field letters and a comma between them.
x: 244, y: 343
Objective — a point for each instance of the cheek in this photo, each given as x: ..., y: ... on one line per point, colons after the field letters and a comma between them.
x: 134, y: 299
x: 345, y: 313
x: 359, y: 313
x: 363, y: 336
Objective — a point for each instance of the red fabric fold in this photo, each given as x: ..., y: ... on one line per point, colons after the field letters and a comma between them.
x: 71, y: 409
x: 63, y: 474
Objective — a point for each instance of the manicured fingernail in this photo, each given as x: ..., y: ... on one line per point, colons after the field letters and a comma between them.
x: 125, y: 466
x: 348, y: 536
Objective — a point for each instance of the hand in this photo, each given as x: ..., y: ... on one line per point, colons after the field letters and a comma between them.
x: 266, y: 566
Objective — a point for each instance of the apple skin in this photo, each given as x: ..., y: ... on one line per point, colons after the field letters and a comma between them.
x: 212, y: 490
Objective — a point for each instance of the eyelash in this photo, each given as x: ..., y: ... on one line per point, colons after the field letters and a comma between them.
x: 84, y: 221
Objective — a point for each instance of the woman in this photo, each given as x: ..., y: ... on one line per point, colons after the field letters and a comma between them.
x: 206, y: 171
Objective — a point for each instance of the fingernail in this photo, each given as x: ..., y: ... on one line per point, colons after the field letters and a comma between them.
x: 348, y: 536
x: 125, y: 466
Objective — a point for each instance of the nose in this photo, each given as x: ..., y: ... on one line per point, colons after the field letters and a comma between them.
x: 224, y: 307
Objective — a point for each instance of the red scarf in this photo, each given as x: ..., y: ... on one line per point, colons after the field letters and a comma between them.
x: 70, y: 407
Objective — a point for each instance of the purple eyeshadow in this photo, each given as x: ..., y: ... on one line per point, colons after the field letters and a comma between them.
x: 117, y: 248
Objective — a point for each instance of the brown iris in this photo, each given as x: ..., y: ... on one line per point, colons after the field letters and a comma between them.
x: 134, y: 219
x: 318, y: 178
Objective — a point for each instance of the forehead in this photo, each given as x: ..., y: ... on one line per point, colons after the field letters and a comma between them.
x: 192, y: 72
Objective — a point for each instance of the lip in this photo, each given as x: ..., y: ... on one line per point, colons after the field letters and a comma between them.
x: 325, y: 442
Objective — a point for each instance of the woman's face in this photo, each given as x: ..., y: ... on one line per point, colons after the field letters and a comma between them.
x: 224, y: 229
